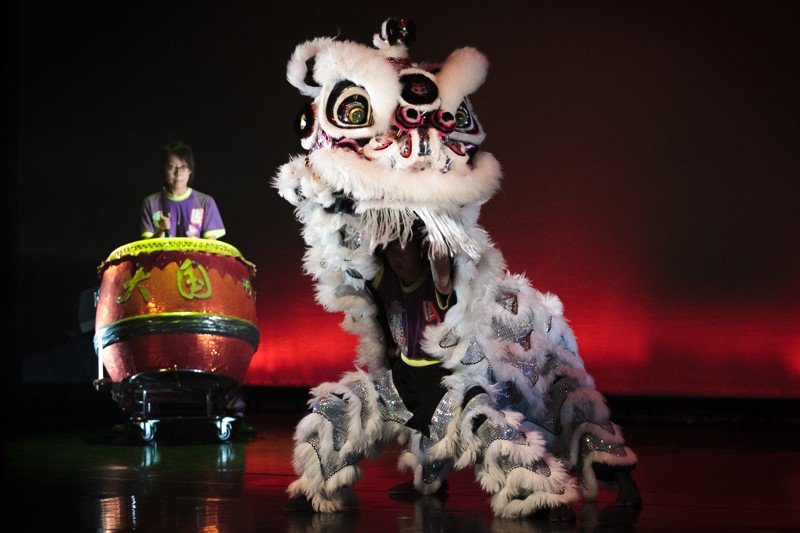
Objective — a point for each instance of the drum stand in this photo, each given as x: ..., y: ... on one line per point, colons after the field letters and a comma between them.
x: 174, y: 394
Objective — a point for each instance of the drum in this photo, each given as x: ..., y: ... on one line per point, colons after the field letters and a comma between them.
x: 176, y: 303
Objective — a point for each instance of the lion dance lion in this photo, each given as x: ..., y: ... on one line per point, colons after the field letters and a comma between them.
x: 393, y: 145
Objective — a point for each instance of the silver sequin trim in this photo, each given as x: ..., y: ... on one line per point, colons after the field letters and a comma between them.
x: 550, y: 363
x: 539, y: 467
x: 432, y: 470
x: 329, y: 470
x: 448, y: 341
x: 585, y: 413
x: 443, y: 415
x: 348, y: 290
x: 593, y: 443
x: 507, y: 396
x: 517, y: 331
x: 474, y: 353
x: 351, y: 239
x: 490, y: 432
x: 526, y: 367
x: 507, y: 299
x: 477, y: 401
x: 390, y: 404
x: 425, y: 443
x: 556, y: 396
x: 360, y: 390
x: 334, y: 409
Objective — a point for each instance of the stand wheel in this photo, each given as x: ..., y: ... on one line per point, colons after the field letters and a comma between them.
x: 224, y: 428
x: 148, y: 429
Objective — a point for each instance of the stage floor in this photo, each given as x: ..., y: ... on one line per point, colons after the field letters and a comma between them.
x: 717, y: 477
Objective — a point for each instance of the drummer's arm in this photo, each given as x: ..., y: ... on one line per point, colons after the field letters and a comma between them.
x: 162, y: 230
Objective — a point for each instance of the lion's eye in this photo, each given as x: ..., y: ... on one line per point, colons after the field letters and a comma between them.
x: 348, y: 106
x: 463, y: 118
x: 355, y: 113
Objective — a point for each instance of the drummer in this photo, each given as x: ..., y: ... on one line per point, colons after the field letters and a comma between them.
x: 177, y: 210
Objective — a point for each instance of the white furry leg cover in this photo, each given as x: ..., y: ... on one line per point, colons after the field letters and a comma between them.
x: 343, y: 427
x: 581, y: 432
x: 429, y: 473
x: 516, y: 468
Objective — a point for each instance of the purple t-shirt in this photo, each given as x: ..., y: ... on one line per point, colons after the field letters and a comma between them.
x: 192, y: 215
x: 409, y: 310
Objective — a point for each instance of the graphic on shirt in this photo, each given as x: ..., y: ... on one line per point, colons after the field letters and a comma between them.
x: 197, y: 217
x: 429, y: 312
x: 397, y: 325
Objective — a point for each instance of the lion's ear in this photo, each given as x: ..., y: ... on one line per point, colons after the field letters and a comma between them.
x: 461, y: 75
x: 300, y: 69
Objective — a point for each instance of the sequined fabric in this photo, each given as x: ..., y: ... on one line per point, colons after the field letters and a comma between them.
x: 585, y: 413
x: 448, y: 341
x: 593, y: 443
x: 348, y: 290
x: 508, y: 464
x: 507, y: 396
x: 550, y: 363
x: 390, y: 404
x: 507, y: 299
x: 490, y: 431
x: 517, y: 331
x: 443, y: 415
x: 334, y: 409
x: 432, y: 470
x: 478, y: 401
x: 327, y: 469
x: 360, y: 390
x: 527, y: 368
x: 556, y: 395
x: 474, y: 353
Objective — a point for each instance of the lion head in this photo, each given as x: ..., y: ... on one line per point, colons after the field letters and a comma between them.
x: 390, y: 140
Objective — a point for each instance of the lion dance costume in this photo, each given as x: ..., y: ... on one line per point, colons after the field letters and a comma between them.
x: 390, y: 142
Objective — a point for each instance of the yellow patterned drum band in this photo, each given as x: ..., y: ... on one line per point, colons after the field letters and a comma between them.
x: 176, y: 244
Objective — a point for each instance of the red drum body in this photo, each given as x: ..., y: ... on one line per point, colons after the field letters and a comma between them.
x: 176, y: 303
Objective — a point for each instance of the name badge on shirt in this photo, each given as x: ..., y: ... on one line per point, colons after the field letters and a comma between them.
x: 431, y: 316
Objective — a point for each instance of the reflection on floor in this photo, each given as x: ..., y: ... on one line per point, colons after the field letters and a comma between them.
x: 94, y: 477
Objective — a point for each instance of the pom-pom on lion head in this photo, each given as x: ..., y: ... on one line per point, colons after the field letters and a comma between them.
x: 396, y: 140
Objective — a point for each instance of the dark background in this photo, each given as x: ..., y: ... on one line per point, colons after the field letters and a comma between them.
x: 650, y: 155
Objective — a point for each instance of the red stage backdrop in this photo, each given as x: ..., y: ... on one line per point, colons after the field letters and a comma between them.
x: 634, y: 338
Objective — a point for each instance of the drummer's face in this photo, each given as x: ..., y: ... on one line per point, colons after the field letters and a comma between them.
x: 176, y: 175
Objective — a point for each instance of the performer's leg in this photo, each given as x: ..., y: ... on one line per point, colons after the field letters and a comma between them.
x: 583, y: 434
x: 628, y: 494
x: 343, y: 427
x: 516, y: 469
x: 431, y: 433
x: 429, y: 473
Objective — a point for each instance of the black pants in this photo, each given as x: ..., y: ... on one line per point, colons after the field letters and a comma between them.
x: 421, y: 390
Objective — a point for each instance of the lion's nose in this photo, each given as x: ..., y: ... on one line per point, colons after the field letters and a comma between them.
x: 408, y: 118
